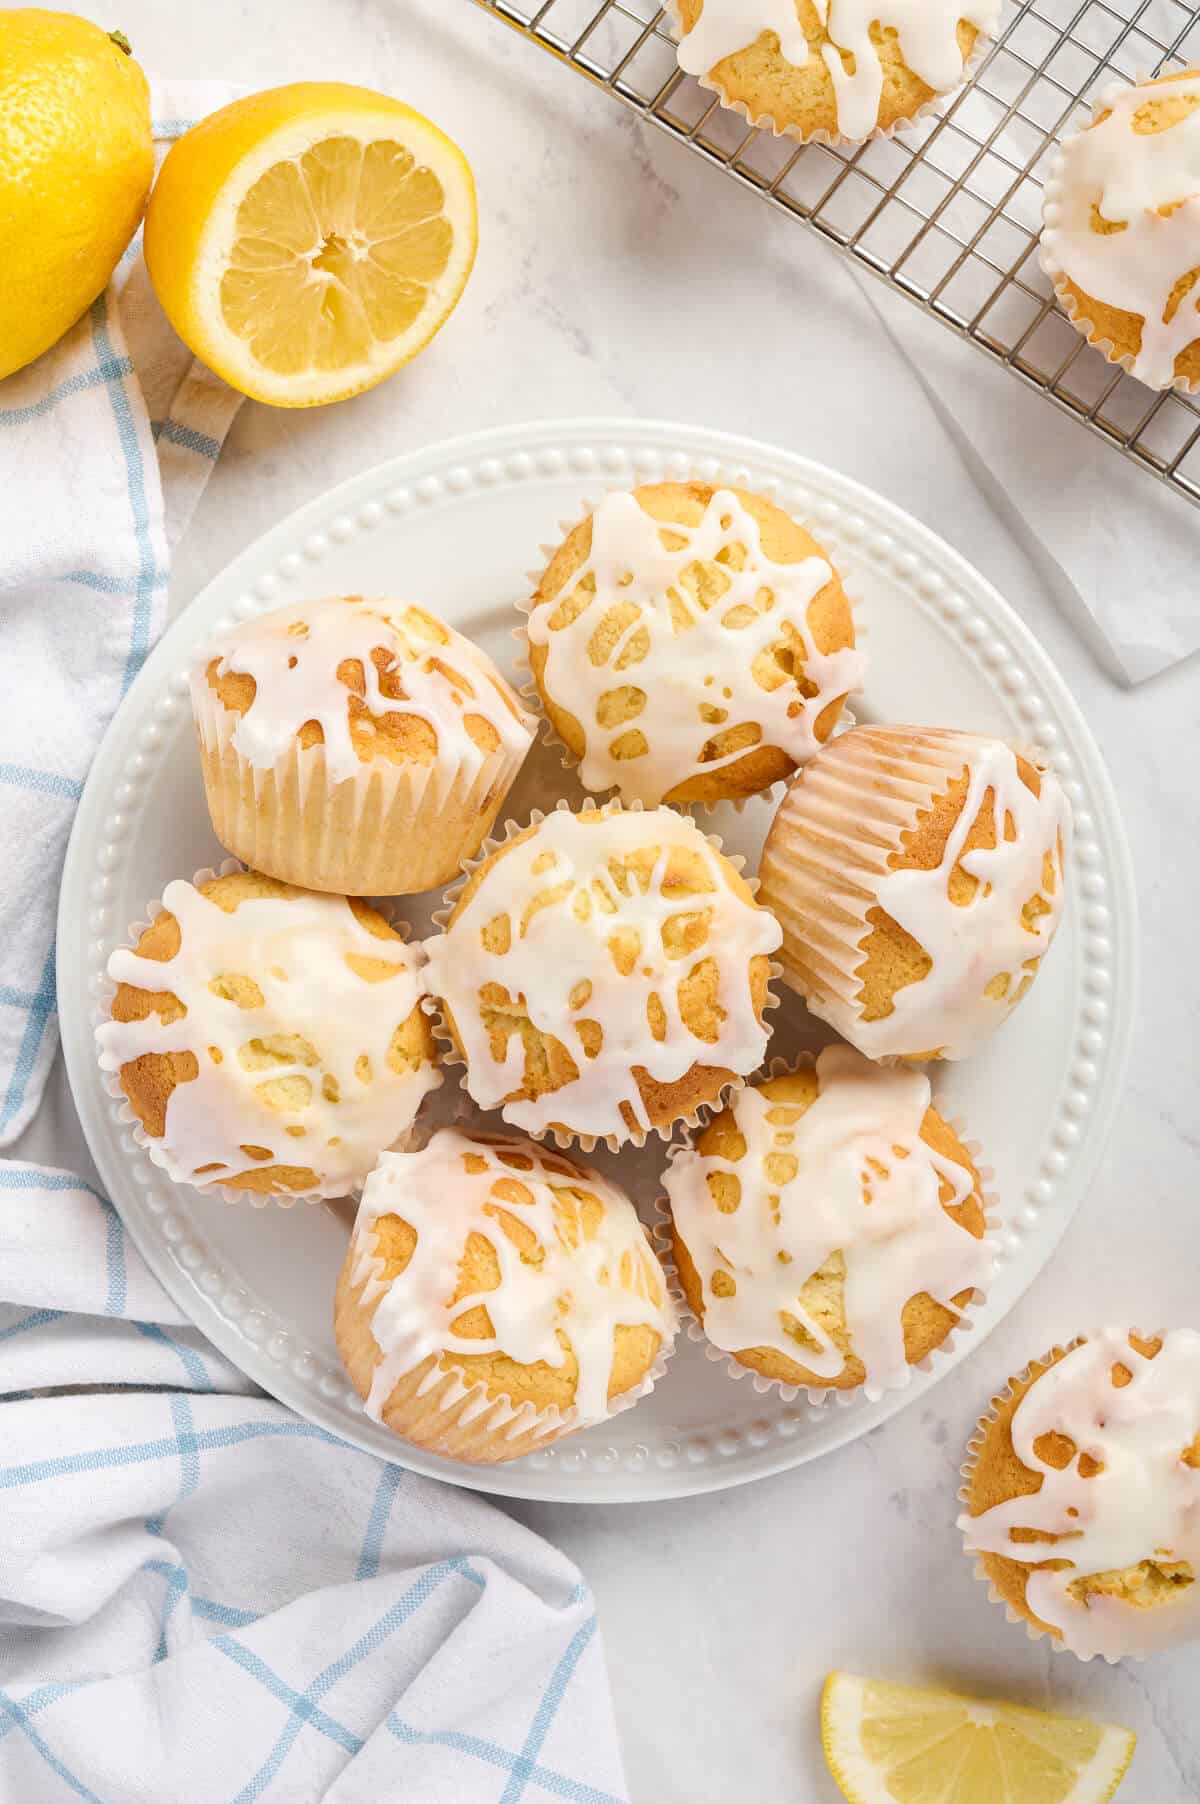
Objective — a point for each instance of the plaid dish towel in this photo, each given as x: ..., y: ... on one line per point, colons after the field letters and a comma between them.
x: 201, y: 1596
x: 106, y: 443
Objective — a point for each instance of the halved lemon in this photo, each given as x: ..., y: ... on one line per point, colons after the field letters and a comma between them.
x: 307, y: 241
x: 894, y: 1744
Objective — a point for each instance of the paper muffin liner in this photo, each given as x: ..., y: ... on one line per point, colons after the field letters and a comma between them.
x: 158, y: 1154
x: 1051, y: 262
x: 389, y: 830
x: 975, y: 1445
x: 533, y: 699
x: 451, y: 1057
x: 825, y: 1396
x: 931, y: 108
x: 462, y: 1422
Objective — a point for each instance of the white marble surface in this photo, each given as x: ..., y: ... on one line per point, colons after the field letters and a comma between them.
x: 618, y: 275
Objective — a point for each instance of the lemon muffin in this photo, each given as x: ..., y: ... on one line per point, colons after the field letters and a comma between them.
x: 843, y: 69
x: 918, y: 876
x: 352, y: 745
x: 828, y: 1226
x: 496, y: 1296
x: 1121, y: 228
x: 267, y: 1039
x: 1082, y: 1494
x: 604, y: 973
x: 691, y: 644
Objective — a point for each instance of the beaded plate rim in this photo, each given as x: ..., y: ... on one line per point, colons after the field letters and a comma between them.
x: 846, y: 514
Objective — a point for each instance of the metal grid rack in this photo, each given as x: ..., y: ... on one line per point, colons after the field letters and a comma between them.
x: 948, y: 210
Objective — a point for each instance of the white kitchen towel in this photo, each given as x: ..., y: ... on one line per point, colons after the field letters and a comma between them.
x: 203, y: 1598
x: 106, y: 443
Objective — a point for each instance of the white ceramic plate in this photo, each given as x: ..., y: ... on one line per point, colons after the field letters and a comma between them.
x: 459, y: 526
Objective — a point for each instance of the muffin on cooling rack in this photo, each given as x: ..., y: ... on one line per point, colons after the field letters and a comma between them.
x: 918, y: 876
x: 267, y: 1039
x: 828, y: 1225
x: 354, y: 745
x: 496, y: 1296
x: 691, y: 644
x: 847, y: 70
x: 1121, y: 228
x: 603, y: 974
x: 1082, y: 1494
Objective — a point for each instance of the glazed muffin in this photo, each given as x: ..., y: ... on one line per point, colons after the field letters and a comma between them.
x: 843, y: 71
x: 828, y: 1226
x: 1121, y: 230
x: 918, y: 875
x: 604, y: 973
x: 691, y: 644
x: 496, y: 1296
x: 267, y: 1039
x: 357, y: 746
x: 1082, y: 1494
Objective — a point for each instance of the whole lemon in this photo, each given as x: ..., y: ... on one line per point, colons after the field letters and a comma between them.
x: 76, y: 163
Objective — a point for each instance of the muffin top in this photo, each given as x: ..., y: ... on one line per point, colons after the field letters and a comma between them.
x: 604, y: 972
x: 1088, y: 1480
x: 828, y: 1225
x: 949, y: 871
x: 267, y: 1038
x: 524, y: 1271
x: 1122, y: 224
x: 842, y: 66
x: 368, y: 680
x: 691, y: 643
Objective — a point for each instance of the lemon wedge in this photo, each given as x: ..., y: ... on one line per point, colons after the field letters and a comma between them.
x: 307, y: 241
x: 893, y: 1744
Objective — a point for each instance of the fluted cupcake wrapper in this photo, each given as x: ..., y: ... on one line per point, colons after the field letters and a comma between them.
x: 930, y: 109
x: 531, y: 695
x: 389, y: 830
x: 448, y: 1046
x: 824, y: 1396
x: 1050, y: 260
x: 160, y: 1155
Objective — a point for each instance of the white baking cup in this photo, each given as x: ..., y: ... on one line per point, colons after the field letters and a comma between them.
x: 532, y: 697
x: 1051, y: 262
x: 944, y: 647
x: 826, y: 1395
x: 931, y: 108
x: 450, y: 1053
x: 990, y: 1416
x: 156, y: 1150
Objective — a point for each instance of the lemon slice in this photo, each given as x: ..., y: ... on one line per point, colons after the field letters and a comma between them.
x: 307, y: 241
x: 892, y: 1744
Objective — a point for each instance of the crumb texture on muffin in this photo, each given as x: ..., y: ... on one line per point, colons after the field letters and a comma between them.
x: 1121, y: 233
x: 526, y: 1276
x: 370, y: 681
x: 604, y: 973
x: 691, y: 643
x: 1083, y: 1493
x: 828, y: 1225
x: 841, y: 66
x: 919, y: 877
x: 267, y: 1038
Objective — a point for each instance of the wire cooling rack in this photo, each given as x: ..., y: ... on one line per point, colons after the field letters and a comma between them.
x: 947, y: 211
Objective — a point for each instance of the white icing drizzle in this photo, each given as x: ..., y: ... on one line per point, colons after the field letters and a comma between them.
x: 565, y: 912
x: 296, y: 949
x: 1143, y: 1505
x: 697, y: 679
x: 971, y: 944
x: 293, y: 655
x: 583, y: 1289
x: 1129, y: 175
x: 927, y: 30
x: 864, y: 1183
